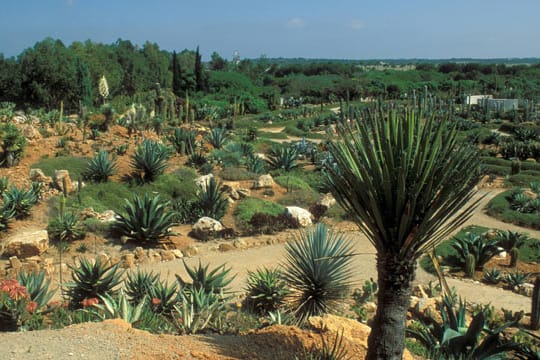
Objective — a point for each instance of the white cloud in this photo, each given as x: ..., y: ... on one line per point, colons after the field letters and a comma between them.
x: 296, y: 23
x: 357, y: 24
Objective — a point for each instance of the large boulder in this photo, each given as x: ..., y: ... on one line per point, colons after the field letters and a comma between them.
x: 205, y: 228
x: 61, y: 177
x: 264, y: 181
x: 351, y: 330
x: 298, y: 216
x: 27, y: 243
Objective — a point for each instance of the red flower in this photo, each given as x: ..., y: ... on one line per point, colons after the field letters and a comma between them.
x: 89, y: 302
x: 12, y: 287
x: 156, y: 301
x: 31, y: 307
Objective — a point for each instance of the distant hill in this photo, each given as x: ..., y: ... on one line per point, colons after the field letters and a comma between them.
x: 507, y: 61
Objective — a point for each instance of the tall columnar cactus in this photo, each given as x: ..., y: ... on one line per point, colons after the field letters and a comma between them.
x: 535, y: 310
x: 470, y: 265
x: 514, y: 256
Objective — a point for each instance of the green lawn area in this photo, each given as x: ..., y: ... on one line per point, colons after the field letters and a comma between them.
x: 528, y: 252
x: 499, y: 207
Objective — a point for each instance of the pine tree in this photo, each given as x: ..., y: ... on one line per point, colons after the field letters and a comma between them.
x: 177, y: 76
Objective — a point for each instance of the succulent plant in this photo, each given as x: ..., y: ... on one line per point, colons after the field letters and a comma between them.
x: 150, y: 160
x: 266, y: 290
x: 100, y: 168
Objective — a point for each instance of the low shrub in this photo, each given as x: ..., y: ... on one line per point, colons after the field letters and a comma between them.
x: 248, y: 207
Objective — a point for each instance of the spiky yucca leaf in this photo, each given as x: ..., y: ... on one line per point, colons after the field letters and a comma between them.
x: 211, y: 200
x: 146, y: 219
x: 318, y: 270
x: 100, y: 168
x: 218, y: 137
x: 66, y: 227
x: 120, y: 308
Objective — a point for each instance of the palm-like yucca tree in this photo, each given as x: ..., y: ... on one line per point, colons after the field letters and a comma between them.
x: 317, y: 268
x: 408, y: 182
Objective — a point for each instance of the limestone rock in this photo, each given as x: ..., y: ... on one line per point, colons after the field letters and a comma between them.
x: 191, y: 251
x: 264, y: 181
x: 243, y: 193
x: 206, y: 227
x: 154, y: 256
x: 300, y: 217
x: 61, y: 177
x: 30, y: 133
x: 127, y: 260
x: 203, y: 181
x: 39, y: 176
x: 27, y: 243
x: 327, y: 200
x: 225, y: 247
x: 15, y: 263
x: 167, y: 255
x: 177, y: 253
x: 530, y: 194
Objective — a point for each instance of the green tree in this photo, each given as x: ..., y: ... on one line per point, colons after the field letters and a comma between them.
x: 217, y: 62
x: 84, y: 84
x: 200, y: 83
x: 408, y: 183
x: 176, y: 76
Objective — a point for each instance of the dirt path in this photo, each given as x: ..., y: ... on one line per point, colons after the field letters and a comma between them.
x: 242, y: 261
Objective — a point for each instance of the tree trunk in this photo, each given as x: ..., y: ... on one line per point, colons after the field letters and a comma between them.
x: 387, y: 338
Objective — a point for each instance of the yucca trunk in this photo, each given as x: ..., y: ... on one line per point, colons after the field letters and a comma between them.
x: 387, y: 337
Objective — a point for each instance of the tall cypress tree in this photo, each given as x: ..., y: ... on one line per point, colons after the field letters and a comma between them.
x: 84, y: 84
x: 199, y: 81
x: 177, y: 76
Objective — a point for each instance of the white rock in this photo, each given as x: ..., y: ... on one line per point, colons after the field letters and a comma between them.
x: 206, y: 227
x: 327, y: 200
x: 300, y: 217
x: 203, y: 181
x: 264, y: 181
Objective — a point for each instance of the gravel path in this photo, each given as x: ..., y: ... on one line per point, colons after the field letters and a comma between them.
x: 242, y: 261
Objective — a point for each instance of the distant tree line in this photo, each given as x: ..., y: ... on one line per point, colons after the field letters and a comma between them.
x: 50, y: 72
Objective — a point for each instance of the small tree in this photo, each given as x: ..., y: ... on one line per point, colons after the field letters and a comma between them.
x: 407, y: 182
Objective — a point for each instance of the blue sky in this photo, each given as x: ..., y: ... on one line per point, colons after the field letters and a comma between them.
x: 352, y: 29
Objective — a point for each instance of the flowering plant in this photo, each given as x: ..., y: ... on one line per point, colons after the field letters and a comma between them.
x: 15, y: 305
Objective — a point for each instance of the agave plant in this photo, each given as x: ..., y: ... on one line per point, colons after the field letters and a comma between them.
x: 120, y: 308
x: 197, y: 159
x: 492, y: 276
x: 146, y: 219
x: 163, y: 297
x: 217, y: 137
x: 210, y: 281
x: 138, y: 285
x: 20, y: 200
x: 482, y: 248
x: 335, y: 351
x: 318, y: 270
x: 7, y: 212
x: 211, y: 200
x: 100, y: 168
x: 37, y: 287
x: 242, y: 148
x: 90, y: 280
x: 516, y: 278
x: 255, y: 164
x: 150, y: 160
x: 508, y: 239
x: 183, y: 141
x: 283, y: 158
x: 196, y: 309
x: 66, y: 227
x: 266, y: 290
x: 455, y: 339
